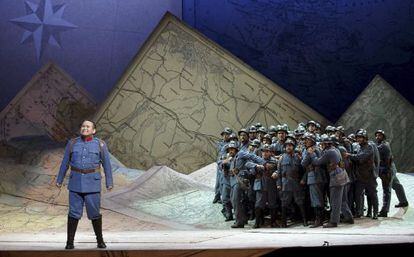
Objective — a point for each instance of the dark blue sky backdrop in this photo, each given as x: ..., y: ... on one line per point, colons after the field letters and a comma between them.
x: 323, y: 52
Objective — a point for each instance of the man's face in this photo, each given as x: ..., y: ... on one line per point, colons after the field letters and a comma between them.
x: 252, y: 135
x: 281, y: 135
x: 338, y: 134
x: 361, y: 140
x: 379, y: 137
x: 266, y: 154
x: 243, y: 137
x: 311, y: 128
x: 308, y: 142
x: 289, y: 148
x: 87, y: 129
x: 225, y: 137
x: 232, y: 152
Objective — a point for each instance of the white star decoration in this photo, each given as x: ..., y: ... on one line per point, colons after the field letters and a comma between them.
x: 43, y: 23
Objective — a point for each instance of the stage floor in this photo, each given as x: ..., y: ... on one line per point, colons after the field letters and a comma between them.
x: 364, y: 231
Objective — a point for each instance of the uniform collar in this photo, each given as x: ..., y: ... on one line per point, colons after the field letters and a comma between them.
x: 87, y: 139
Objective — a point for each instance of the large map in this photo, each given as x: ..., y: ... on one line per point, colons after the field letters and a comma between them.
x: 52, y: 104
x: 380, y: 106
x: 178, y: 94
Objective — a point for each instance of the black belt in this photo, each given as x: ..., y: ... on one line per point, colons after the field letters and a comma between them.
x: 84, y: 171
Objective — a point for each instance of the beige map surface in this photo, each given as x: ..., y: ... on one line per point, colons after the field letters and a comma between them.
x: 177, y: 95
x: 380, y: 106
x: 50, y: 104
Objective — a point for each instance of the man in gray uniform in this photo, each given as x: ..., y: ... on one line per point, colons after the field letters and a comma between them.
x: 289, y: 175
x: 278, y: 147
x: 224, y: 169
x: 314, y: 177
x: 244, y: 146
x: 265, y: 187
x: 221, y: 150
x: 244, y: 140
x: 387, y: 173
x: 365, y: 173
x: 239, y: 180
x: 338, y: 178
x: 252, y: 133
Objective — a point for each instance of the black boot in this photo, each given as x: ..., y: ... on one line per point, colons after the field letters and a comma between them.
x: 401, y: 205
x: 216, y: 198
x: 97, y: 227
x: 318, y: 218
x: 303, y: 214
x: 72, y: 225
x: 382, y: 213
x: 273, y: 213
x: 258, y: 212
x: 284, y: 220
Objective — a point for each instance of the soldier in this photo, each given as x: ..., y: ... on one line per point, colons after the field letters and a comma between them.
x: 224, y: 169
x: 338, y: 178
x: 255, y: 147
x: 314, y: 177
x: 342, y: 140
x: 244, y: 139
x: 272, y: 131
x: 244, y: 146
x: 387, y: 173
x: 267, y: 139
x: 365, y: 173
x: 252, y: 133
x: 278, y: 147
x: 239, y: 180
x: 221, y: 150
x: 330, y: 130
x: 311, y: 126
x: 265, y: 187
x: 84, y: 155
x: 289, y: 175
x: 261, y: 132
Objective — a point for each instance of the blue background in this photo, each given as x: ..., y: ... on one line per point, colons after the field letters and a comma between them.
x: 108, y: 35
x: 323, y: 52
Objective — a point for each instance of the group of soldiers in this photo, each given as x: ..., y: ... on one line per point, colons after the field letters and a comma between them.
x: 302, y: 174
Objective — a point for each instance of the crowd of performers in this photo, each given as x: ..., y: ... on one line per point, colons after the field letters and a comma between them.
x: 301, y: 175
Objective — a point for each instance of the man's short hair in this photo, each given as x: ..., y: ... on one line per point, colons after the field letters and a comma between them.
x: 93, y: 123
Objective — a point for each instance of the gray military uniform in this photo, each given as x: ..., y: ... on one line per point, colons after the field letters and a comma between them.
x: 314, y: 177
x: 338, y: 178
x: 366, y: 176
x: 387, y: 173
x: 237, y: 192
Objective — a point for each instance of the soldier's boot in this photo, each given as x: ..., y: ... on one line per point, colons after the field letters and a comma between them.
x: 258, y: 215
x: 217, y: 198
x: 330, y: 225
x: 401, y: 205
x: 383, y: 213
x: 303, y: 214
x: 273, y: 214
x: 369, y: 212
x: 97, y: 227
x: 229, y: 215
x: 318, y: 218
x: 284, y: 219
x: 71, y: 230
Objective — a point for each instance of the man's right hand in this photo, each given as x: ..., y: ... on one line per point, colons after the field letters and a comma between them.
x: 58, y: 185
